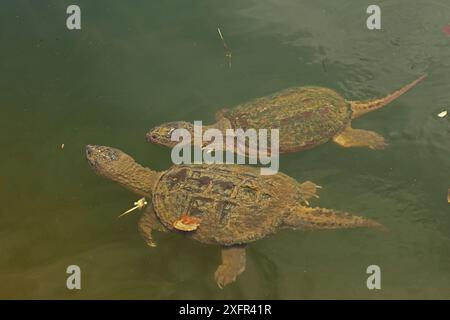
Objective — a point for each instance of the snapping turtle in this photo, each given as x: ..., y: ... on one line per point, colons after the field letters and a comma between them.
x: 231, y: 205
x: 306, y: 117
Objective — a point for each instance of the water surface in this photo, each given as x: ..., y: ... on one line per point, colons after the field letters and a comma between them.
x: 135, y: 65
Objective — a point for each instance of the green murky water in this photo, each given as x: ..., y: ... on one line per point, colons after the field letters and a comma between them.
x: 134, y: 65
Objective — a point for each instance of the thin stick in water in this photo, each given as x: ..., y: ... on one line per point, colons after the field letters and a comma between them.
x: 228, y: 51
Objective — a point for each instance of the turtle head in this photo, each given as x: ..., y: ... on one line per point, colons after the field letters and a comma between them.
x: 106, y: 161
x: 162, y: 134
x: 116, y: 165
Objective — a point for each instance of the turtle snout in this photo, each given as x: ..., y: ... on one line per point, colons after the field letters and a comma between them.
x: 151, y: 136
x: 91, y: 153
x: 89, y: 150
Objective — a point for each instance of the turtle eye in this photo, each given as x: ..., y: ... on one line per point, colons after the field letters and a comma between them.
x: 110, y: 155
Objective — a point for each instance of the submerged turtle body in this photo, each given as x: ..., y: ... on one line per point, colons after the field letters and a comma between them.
x: 234, y: 203
x: 306, y: 116
x: 227, y: 205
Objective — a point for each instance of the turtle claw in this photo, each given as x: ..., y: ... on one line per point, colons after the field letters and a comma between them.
x: 308, y: 190
x: 152, y: 244
x: 226, y: 274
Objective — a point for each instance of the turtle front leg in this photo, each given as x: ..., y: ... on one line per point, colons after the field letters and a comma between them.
x: 360, y: 138
x: 233, y: 264
x: 147, y: 223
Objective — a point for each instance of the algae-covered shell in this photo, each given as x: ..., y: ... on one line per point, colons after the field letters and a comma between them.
x: 234, y: 204
x: 305, y: 116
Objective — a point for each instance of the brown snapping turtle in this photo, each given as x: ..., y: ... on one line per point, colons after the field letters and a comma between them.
x: 228, y: 205
x: 305, y: 116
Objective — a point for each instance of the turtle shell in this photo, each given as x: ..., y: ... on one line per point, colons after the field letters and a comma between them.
x: 305, y: 116
x: 234, y: 203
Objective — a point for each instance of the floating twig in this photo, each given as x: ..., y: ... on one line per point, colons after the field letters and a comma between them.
x: 227, y: 49
x: 137, y: 205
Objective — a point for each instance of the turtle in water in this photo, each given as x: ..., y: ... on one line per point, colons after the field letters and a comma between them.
x: 227, y: 205
x: 305, y: 116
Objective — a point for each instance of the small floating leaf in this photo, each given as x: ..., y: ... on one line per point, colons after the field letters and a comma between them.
x: 442, y: 114
x: 186, y: 223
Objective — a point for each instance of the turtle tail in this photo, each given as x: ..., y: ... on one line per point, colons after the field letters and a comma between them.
x: 307, y: 218
x: 362, y: 107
